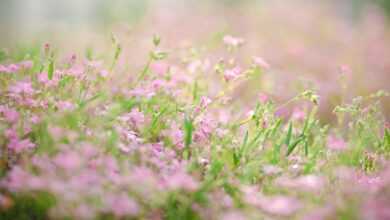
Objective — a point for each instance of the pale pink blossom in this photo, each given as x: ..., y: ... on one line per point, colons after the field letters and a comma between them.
x: 11, y: 115
x: 22, y: 88
x: 336, y: 144
x: 121, y: 205
x: 232, y: 41
x: 280, y: 205
x: 65, y: 106
x: 18, y: 145
x: 181, y: 180
x: 159, y: 67
x: 263, y: 98
x: 298, y: 114
x: 231, y: 74
x: 260, y: 62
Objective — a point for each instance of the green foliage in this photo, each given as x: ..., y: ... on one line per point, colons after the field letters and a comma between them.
x: 188, y: 130
x: 29, y: 207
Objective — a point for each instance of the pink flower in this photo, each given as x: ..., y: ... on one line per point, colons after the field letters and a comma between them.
x: 260, y: 62
x: 142, y: 92
x: 12, y: 68
x: 335, y: 143
x: 22, y: 88
x: 298, y: 114
x: 345, y: 70
x: 159, y: 67
x: 94, y: 63
x: 136, y: 118
x: 280, y: 205
x: 11, y: 133
x: 43, y: 78
x: 27, y: 64
x: 232, y: 41
x: 176, y: 135
x: 310, y: 183
x: 11, y: 115
x: 65, y: 106
x: 104, y: 73
x: 122, y: 205
x: 181, y: 180
x: 263, y: 98
x: 205, y: 128
x: 233, y: 215
x: 231, y: 74
x: 76, y: 71
x: 3, y: 69
x: 271, y: 170
x: 18, y: 145
x: 35, y: 119
x: 68, y: 160
x: 204, y: 101
x: 16, y: 178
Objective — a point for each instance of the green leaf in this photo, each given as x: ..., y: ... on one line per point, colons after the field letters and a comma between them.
x: 289, y: 134
x: 245, y: 141
x: 294, y: 144
x: 158, y: 55
x: 306, y: 148
x: 276, y: 127
x: 216, y: 167
x: 156, y: 40
x: 386, y: 139
x: 3, y: 55
x: 83, y: 103
x: 50, y: 69
x: 188, y: 130
x: 195, y: 91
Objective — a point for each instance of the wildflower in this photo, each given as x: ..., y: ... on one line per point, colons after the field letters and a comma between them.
x: 345, y: 70
x: 16, y: 178
x: 136, y: 118
x: 11, y: 133
x: 159, y: 67
x: 65, y: 106
x: 310, y: 183
x: 35, y: 119
x: 121, y: 205
x: 233, y: 215
x: 181, y: 180
x: 298, y: 114
x: 21, y: 88
x: 94, y: 64
x: 335, y: 143
x: 280, y: 205
x: 13, y: 68
x: 11, y: 115
x: 271, y: 170
x: 260, y: 62
x: 18, y: 145
x: 176, y: 135
x: 27, y: 64
x: 263, y: 98
x: 205, y: 128
x: 232, y: 41
x: 232, y: 74
x: 76, y: 71
x: 104, y: 73
x: 204, y: 102
x: 68, y: 160
x: 44, y: 79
